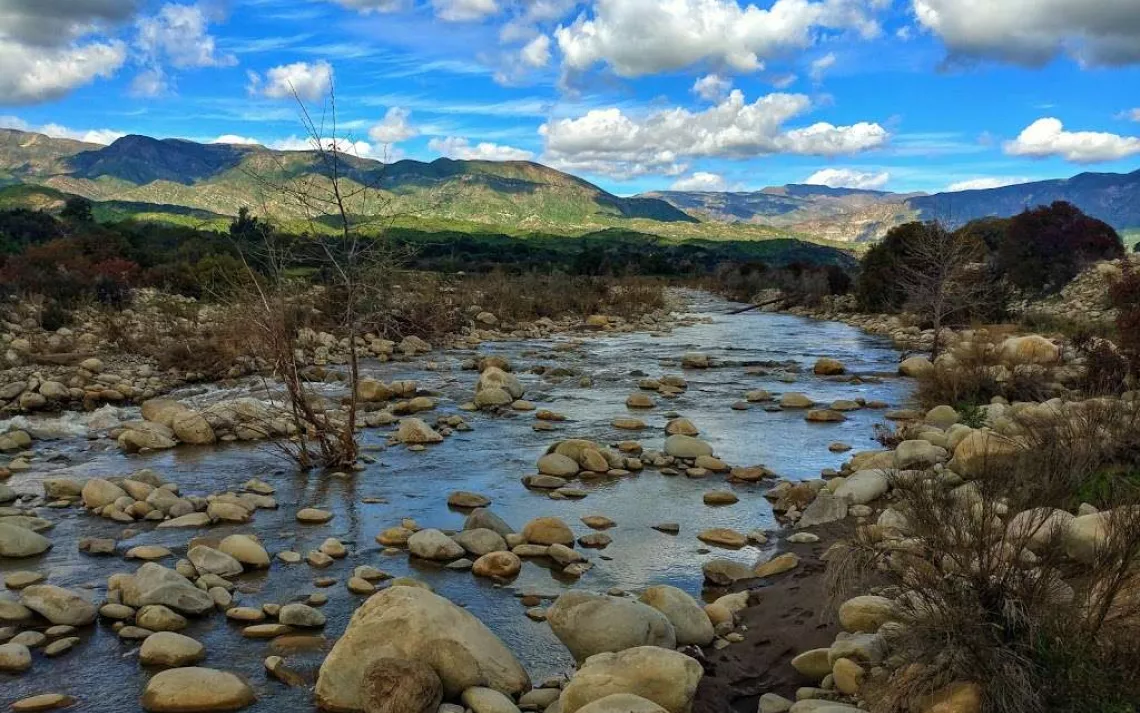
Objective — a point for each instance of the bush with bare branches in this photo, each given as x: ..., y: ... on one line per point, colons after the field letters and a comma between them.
x: 994, y: 581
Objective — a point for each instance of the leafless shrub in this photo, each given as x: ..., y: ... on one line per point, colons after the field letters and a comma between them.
x: 989, y: 585
x: 975, y: 375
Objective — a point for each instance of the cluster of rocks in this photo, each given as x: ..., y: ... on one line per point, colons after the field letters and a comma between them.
x: 409, y: 651
x: 1085, y: 300
x: 488, y: 547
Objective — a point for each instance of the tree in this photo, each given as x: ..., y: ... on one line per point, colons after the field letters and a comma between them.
x: 1047, y: 247
x: 943, y: 276
x: 77, y: 210
x: 877, y: 288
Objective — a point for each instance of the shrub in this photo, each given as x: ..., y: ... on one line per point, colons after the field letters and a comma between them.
x: 1047, y: 247
x: 1040, y: 633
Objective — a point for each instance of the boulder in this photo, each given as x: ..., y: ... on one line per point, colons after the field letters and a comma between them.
x: 372, y: 391
x: 155, y: 584
x: 681, y: 427
x: 1030, y: 349
x: 207, y: 560
x: 482, y: 518
x: 487, y: 700
x: 401, y: 686
x: 414, y: 624
x: 246, y: 550
x: 982, y: 450
x: 414, y: 431
x: 193, y: 428
x: 98, y: 493
x: 548, y: 531
x: 143, y: 435
x: 20, y: 542
x: 661, y: 675
x: 156, y: 617
x: 14, y: 658
x: 824, y: 509
x: 866, y: 613
x: 481, y: 541
x: 680, y: 446
x: 502, y: 565
x: 179, y: 690
x: 558, y: 465
x: 58, y: 605
x: 863, y: 487
x: 302, y: 615
x: 495, y: 378
x: 916, y: 367
x: 622, y: 703
x: 828, y: 367
x: 168, y: 649
x: 918, y: 455
x: 434, y: 545
x: 589, y: 624
x: 795, y: 400
x: 465, y: 500
x: 1085, y: 535
x: 689, y: 620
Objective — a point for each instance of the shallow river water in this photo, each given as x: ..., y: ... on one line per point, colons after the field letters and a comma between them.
x: 105, y: 675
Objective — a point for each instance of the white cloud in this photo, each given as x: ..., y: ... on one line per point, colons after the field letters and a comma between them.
x: 149, y: 83
x: 712, y: 87
x: 460, y: 148
x: 394, y: 128
x: 464, y: 10
x: 1032, y: 32
x: 638, y: 37
x: 611, y: 142
x: 979, y: 184
x: 524, y: 25
x: 848, y: 178
x: 235, y: 139
x: 30, y: 75
x: 1132, y: 115
x: 179, y: 34
x: 91, y: 136
x: 1048, y: 137
x: 309, y: 81
x: 536, y: 53
x: 700, y: 181
x: 362, y: 149
x: 820, y: 66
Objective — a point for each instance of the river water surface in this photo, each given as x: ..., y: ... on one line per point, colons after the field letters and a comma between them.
x: 105, y: 675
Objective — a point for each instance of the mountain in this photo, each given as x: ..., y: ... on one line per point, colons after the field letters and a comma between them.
x: 219, y: 179
x: 850, y: 215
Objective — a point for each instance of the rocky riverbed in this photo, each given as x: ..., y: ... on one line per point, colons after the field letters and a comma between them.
x: 735, y: 378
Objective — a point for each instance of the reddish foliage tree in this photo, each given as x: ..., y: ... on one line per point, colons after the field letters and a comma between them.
x: 1047, y: 247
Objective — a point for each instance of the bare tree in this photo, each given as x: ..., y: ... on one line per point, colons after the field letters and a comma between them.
x: 346, y: 217
x: 942, y: 276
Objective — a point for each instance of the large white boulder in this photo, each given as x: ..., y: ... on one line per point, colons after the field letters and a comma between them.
x: 661, y: 675
x: 590, y: 624
x: 689, y: 620
x: 414, y: 624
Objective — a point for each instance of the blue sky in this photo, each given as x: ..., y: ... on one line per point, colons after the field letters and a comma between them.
x: 635, y: 95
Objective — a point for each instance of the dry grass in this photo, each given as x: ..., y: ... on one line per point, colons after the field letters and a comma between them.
x: 976, y: 375
x: 988, y: 597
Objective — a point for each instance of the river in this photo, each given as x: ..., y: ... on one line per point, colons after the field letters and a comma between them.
x: 490, y: 459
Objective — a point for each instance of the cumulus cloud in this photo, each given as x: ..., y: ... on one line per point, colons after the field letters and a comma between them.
x: 50, y: 47
x: 849, y: 178
x: 979, y: 184
x: 611, y: 142
x: 362, y: 149
x: 536, y: 53
x: 460, y: 148
x: 1048, y: 137
x: 235, y: 139
x: 712, y: 87
x: 1033, y: 32
x: 309, y: 81
x: 30, y: 75
x: 1132, y: 115
x: 820, y: 66
x: 639, y: 37
x: 179, y: 34
x: 464, y: 10
x: 393, y: 128
x: 700, y: 181
x: 56, y: 131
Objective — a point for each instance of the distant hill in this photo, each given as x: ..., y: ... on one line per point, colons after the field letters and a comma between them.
x: 219, y: 179
x: 849, y: 215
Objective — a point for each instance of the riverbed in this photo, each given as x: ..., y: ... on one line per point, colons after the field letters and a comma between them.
x: 755, y: 350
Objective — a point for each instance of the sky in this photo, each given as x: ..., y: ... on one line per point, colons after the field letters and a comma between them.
x: 634, y: 95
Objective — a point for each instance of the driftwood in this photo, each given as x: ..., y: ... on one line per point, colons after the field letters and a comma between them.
x: 759, y: 305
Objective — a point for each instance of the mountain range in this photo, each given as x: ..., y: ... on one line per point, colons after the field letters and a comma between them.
x: 182, y: 181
